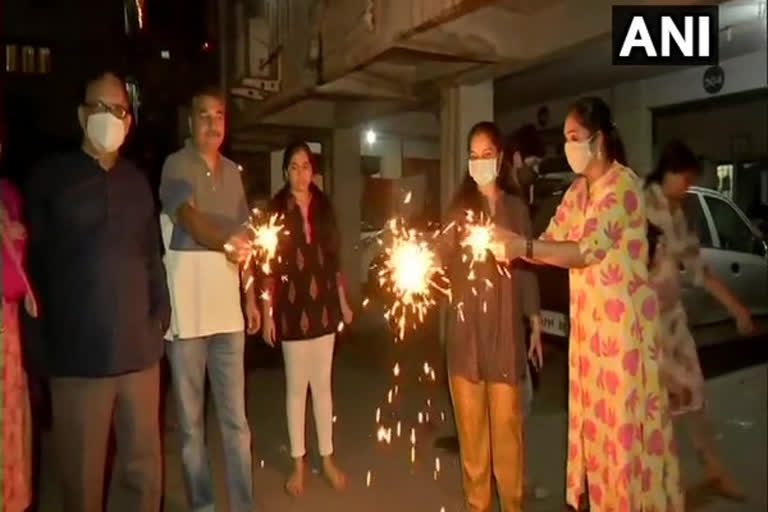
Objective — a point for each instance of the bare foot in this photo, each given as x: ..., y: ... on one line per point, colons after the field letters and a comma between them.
x: 723, y: 486
x: 295, y: 484
x: 333, y: 474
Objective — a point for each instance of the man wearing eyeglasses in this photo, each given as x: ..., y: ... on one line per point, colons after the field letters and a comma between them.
x: 95, y: 261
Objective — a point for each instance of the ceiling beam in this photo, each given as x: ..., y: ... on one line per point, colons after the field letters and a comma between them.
x: 355, y: 113
x: 394, y: 23
x: 367, y: 85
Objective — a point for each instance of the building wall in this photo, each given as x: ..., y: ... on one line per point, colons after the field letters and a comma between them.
x: 633, y: 102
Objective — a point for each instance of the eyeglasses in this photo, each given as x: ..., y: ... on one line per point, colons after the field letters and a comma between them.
x: 118, y: 111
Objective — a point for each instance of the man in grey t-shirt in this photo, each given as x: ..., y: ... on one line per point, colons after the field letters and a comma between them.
x: 203, y: 196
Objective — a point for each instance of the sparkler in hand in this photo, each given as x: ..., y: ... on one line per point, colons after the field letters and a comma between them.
x: 479, y: 237
x: 261, y: 238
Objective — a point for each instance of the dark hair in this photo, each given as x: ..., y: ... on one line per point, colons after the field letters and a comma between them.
x: 209, y: 91
x: 96, y: 76
x: 322, y: 216
x: 675, y: 158
x: 291, y: 150
x: 595, y: 115
x: 468, y: 196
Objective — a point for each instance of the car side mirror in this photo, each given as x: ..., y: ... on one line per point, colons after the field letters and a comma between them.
x: 761, y: 247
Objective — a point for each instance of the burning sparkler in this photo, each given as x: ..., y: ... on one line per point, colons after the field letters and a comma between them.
x: 412, y: 275
x: 478, y: 238
x: 263, y: 237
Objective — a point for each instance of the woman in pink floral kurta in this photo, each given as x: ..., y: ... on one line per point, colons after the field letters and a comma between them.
x: 620, y: 440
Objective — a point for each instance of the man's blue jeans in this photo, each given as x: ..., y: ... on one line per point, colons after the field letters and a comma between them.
x: 223, y: 356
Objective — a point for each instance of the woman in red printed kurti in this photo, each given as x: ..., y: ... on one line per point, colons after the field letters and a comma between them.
x: 620, y: 441
x: 15, y: 458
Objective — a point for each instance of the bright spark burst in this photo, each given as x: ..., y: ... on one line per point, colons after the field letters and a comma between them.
x: 384, y: 434
x: 478, y: 238
x: 411, y: 274
x: 263, y: 240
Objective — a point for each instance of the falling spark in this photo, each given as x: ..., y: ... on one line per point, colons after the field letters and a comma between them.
x: 421, y: 418
x: 426, y: 368
x: 426, y: 417
x: 432, y: 375
x: 340, y: 327
x: 398, y: 429
x: 408, y: 198
x: 411, y: 275
x: 442, y: 416
x: 413, y: 436
x: 365, y: 302
x: 396, y: 369
x: 396, y: 389
x: 378, y: 414
x: 334, y: 419
x: 429, y: 402
x: 368, y: 479
x: 437, y: 464
x: 389, y: 396
x: 485, y: 307
x: 262, y: 463
x: 384, y: 434
x: 413, y: 454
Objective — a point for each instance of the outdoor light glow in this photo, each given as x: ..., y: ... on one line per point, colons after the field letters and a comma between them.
x: 370, y: 136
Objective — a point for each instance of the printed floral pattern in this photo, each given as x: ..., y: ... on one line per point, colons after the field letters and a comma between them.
x: 678, y: 246
x: 620, y: 439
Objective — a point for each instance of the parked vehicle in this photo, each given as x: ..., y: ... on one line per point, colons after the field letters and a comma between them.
x: 732, y: 247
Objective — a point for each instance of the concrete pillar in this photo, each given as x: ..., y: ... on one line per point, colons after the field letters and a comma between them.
x: 346, y: 193
x: 635, y: 123
x: 460, y: 108
x: 276, y: 180
x: 389, y: 149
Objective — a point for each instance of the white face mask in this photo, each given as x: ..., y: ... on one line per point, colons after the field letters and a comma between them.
x: 483, y: 171
x: 105, y: 131
x: 579, y: 155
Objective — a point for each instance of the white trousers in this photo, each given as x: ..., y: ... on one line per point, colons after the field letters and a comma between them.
x: 309, y: 362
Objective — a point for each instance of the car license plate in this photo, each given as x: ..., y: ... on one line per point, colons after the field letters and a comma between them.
x: 553, y: 323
